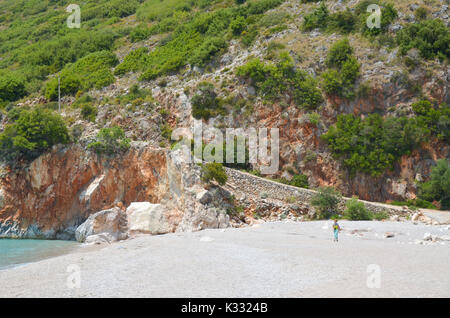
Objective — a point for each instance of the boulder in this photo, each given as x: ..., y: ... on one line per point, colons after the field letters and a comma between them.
x: 146, y: 217
x: 112, y: 223
x: 99, y: 239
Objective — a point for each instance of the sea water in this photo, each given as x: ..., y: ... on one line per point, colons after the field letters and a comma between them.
x: 17, y: 252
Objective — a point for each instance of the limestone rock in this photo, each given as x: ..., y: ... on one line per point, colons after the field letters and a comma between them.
x: 108, y: 222
x: 146, y: 217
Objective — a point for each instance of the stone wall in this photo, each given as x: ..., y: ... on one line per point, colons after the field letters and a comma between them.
x: 251, y: 186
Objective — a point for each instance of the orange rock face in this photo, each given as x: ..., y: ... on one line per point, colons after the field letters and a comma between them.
x: 62, y: 188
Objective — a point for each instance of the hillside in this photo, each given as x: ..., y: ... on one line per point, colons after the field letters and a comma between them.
x: 363, y: 110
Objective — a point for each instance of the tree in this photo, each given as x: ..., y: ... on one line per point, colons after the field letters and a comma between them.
x: 34, y: 132
x: 438, y: 187
x: 326, y: 201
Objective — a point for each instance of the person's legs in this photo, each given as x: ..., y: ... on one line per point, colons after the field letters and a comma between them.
x: 336, y: 232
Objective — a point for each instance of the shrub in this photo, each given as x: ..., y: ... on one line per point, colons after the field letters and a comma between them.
x: 205, y: 102
x: 92, y: 71
x: 300, y: 181
x: 438, y: 187
x: 326, y: 202
x: 435, y: 120
x: 110, y: 141
x: 317, y: 19
x: 276, y: 80
x: 357, y: 211
x: 344, y: 21
x: 421, y: 13
x: 339, y: 53
x: 88, y: 112
x: 11, y: 88
x: 34, y: 132
x: 430, y: 37
x: 214, y: 171
x: 340, y: 79
x: 374, y: 144
x: 238, y: 25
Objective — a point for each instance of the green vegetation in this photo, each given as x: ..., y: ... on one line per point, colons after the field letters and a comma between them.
x: 11, y: 88
x: 438, y: 187
x: 326, y: 202
x: 32, y: 133
x: 414, y: 204
x: 436, y: 120
x: 214, y: 171
x: 197, y: 40
x: 91, y: 71
x: 88, y: 112
x: 357, y: 211
x: 430, y: 37
x: 110, y: 141
x: 298, y: 180
x: 205, y: 103
x: 373, y: 144
x: 340, y: 79
x: 349, y: 20
x: 273, y: 81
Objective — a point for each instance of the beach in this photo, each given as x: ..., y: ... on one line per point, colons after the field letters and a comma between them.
x: 278, y: 259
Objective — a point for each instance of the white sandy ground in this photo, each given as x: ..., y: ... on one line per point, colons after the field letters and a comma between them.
x: 281, y: 259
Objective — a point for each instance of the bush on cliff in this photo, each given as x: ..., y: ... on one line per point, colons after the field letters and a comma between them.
x: 34, y: 132
x: 214, y: 171
x: 438, y: 187
x: 205, y: 103
x: 110, y: 141
x: 274, y: 81
x: 430, y: 37
x: 344, y: 70
x: 373, y: 144
x: 326, y: 202
x: 11, y: 88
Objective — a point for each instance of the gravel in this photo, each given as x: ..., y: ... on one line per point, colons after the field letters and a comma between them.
x: 280, y: 259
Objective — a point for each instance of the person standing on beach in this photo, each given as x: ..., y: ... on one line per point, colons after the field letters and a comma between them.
x: 336, y: 230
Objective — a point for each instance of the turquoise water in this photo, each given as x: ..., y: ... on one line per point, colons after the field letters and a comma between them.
x: 16, y: 252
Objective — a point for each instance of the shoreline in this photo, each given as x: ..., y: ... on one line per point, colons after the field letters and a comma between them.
x: 272, y: 259
x: 23, y: 255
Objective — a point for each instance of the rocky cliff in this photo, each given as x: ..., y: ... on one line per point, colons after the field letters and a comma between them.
x: 61, y: 189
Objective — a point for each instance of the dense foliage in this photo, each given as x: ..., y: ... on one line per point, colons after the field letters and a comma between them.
x: 430, y: 37
x: 348, y: 20
x: 91, y: 71
x: 344, y: 70
x: 276, y: 80
x: 373, y: 144
x: 438, y: 187
x: 197, y: 40
x: 32, y: 133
